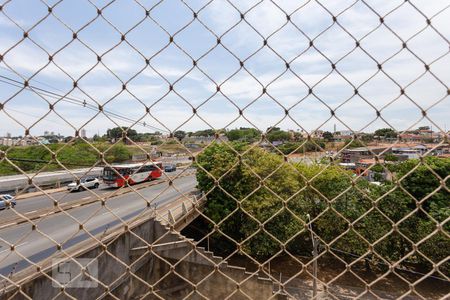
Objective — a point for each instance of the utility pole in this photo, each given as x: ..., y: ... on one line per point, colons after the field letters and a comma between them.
x: 314, y: 253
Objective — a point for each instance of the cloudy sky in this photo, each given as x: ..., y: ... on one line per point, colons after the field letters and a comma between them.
x: 301, y: 35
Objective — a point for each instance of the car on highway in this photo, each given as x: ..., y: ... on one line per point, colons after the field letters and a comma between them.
x: 7, y: 201
x: 85, y: 183
x: 170, y: 168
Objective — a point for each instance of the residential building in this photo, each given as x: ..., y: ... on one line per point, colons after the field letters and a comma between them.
x: 353, y: 155
x: 362, y: 168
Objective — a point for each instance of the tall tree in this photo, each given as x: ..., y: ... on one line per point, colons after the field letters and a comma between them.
x: 179, y: 134
x: 386, y: 133
x: 327, y: 136
x: 118, y: 132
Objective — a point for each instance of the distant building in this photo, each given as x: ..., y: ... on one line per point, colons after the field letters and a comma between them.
x: 362, y: 168
x: 17, y: 141
x: 342, y: 138
x: 409, y: 151
x: 42, y: 140
x: 6, y: 141
x: 204, y: 139
x: 421, y: 137
x: 428, y: 132
x: 411, y: 137
x: 83, y: 133
x: 346, y: 132
x: 355, y: 154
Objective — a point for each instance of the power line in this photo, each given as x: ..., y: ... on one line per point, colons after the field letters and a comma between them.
x: 84, y: 103
x: 34, y: 116
x: 78, y: 102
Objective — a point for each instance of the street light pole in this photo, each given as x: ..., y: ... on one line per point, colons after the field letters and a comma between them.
x: 314, y: 252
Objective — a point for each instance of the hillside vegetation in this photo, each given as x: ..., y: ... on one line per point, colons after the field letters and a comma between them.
x: 74, y: 155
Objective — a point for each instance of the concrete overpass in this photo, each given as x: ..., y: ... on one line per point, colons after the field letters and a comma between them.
x: 36, y: 228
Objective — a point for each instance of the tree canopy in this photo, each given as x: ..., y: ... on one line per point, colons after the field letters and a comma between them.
x: 179, y: 134
x: 255, y: 190
x: 243, y: 134
x: 118, y: 133
x: 386, y: 133
x: 327, y: 136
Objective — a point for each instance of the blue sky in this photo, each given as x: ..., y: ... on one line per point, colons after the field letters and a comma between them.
x: 147, y: 37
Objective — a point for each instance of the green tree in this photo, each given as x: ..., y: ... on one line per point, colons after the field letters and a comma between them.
x: 243, y: 134
x: 179, y: 134
x: 386, y: 133
x: 118, y: 132
x: 423, y: 182
x: 353, y: 144
x: 205, y: 132
x: 366, y: 137
x: 390, y: 157
x: 327, y: 136
x: 118, y: 153
x: 333, y: 200
x: 278, y: 135
x: 301, y: 147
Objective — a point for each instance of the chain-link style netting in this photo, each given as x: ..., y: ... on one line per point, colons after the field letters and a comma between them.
x: 174, y: 143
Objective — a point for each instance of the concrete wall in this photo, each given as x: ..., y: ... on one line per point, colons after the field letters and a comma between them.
x: 111, y: 266
x: 222, y: 280
x: 172, y: 258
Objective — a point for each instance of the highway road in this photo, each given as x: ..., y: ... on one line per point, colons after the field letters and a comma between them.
x: 31, y: 205
x: 61, y: 228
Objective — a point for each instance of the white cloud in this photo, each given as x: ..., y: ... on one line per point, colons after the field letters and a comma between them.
x: 311, y: 66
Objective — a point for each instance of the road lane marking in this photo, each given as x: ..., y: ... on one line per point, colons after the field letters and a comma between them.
x: 30, y: 212
x: 85, y: 198
x: 6, y: 225
x: 48, y: 214
x: 114, y: 196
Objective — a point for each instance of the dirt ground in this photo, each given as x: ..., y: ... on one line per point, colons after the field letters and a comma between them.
x: 344, y: 284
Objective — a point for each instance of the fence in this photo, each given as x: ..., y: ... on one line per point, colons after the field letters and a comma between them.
x: 317, y: 130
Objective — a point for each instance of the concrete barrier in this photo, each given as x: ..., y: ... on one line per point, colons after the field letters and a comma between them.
x: 19, y: 182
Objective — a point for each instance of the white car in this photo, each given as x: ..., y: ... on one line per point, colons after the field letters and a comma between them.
x: 7, y: 201
x: 85, y: 183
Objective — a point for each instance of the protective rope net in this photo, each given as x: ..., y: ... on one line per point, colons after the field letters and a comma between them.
x: 268, y: 112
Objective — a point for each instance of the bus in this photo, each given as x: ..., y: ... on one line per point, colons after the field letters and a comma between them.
x: 132, y: 173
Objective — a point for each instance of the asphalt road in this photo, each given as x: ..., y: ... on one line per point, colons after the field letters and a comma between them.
x: 64, y: 228
x: 31, y: 205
